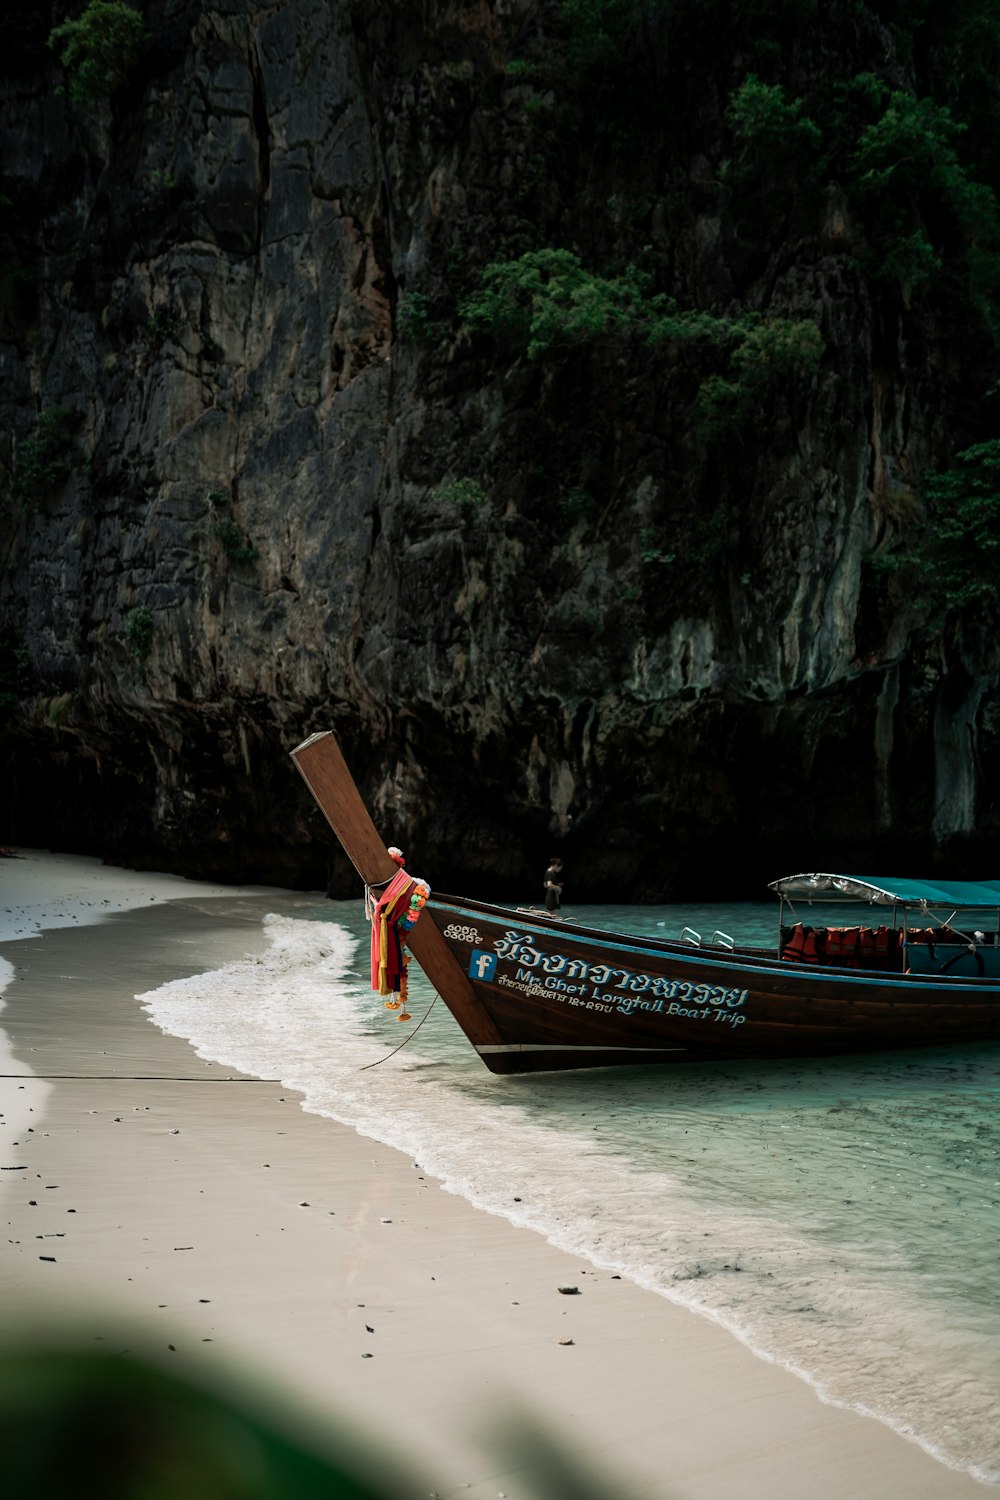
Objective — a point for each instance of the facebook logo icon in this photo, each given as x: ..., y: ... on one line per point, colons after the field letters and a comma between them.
x: 483, y: 965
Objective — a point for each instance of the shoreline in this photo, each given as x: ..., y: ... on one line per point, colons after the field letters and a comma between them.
x: 217, y: 1222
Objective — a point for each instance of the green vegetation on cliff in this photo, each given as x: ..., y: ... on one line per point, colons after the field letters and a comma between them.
x: 44, y: 459
x: 234, y: 543
x: 546, y: 298
x: 98, y: 49
x: 896, y: 157
x: 950, y: 560
x: 138, y: 632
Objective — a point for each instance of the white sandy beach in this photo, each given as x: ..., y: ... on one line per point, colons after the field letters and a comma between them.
x: 158, y: 1202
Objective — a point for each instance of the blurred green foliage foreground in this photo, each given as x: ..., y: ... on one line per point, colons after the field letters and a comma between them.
x: 80, y: 1425
x: 119, y: 1428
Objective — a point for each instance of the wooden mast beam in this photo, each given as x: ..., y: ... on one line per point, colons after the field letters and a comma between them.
x: 326, y: 774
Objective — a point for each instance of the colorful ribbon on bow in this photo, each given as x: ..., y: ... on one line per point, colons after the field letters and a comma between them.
x: 394, y: 915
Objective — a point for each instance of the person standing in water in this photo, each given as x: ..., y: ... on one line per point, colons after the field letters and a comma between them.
x: 553, y: 884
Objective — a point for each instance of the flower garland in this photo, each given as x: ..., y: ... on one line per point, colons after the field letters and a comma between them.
x: 393, y: 916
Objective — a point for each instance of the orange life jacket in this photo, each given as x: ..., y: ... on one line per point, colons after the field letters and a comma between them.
x: 842, y: 946
x: 804, y: 945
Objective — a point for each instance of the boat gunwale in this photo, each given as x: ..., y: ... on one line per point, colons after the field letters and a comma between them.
x: 739, y: 960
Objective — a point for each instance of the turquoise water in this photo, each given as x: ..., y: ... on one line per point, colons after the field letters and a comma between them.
x: 842, y: 1218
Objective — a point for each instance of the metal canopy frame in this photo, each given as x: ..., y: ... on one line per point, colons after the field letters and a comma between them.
x: 906, y: 896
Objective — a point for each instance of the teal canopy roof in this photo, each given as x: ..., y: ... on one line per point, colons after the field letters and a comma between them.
x: 879, y: 890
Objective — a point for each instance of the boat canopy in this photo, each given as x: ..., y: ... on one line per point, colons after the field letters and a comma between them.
x: 878, y: 890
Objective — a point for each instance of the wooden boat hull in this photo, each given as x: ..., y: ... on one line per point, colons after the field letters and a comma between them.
x: 533, y: 993
x: 562, y: 996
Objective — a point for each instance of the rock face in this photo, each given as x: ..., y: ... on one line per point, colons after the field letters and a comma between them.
x: 263, y: 480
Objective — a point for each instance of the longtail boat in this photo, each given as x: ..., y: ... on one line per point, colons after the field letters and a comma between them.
x: 533, y: 992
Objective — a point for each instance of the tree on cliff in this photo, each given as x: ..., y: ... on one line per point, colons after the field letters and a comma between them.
x: 98, y: 49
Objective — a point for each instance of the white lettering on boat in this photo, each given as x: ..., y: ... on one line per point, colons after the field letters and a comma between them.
x: 630, y: 992
x: 529, y: 985
x: 463, y: 934
x: 536, y: 988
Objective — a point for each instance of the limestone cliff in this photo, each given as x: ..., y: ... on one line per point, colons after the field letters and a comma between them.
x: 262, y: 476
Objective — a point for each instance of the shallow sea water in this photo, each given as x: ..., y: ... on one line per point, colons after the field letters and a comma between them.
x: 841, y: 1217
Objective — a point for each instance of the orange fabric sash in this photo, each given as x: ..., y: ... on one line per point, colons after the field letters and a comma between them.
x: 386, y: 941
